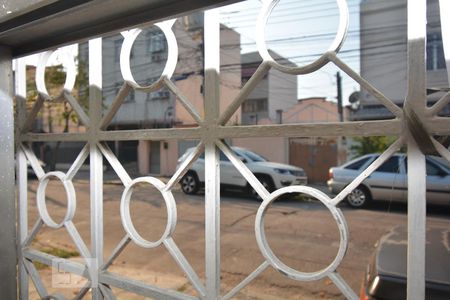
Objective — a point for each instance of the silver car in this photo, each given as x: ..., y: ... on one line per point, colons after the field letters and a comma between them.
x: 389, y: 181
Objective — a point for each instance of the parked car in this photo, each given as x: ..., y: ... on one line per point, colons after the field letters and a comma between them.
x: 385, y: 277
x: 271, y: 175
x: 389, y: 181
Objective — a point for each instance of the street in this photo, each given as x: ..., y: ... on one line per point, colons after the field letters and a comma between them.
x: 302, y: 234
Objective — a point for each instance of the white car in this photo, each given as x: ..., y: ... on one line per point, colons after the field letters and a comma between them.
x: 271, y: 175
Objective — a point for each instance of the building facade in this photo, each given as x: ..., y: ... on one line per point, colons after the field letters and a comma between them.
x: 274, y: 94
x: 314, y: 155
x: 383, y: 57
x: 160, y: 109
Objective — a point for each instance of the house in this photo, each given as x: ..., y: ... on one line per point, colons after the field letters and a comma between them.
x: 383, y: 39
x: 276, y: 92
x: 314, y: 155
x: 160, y: 109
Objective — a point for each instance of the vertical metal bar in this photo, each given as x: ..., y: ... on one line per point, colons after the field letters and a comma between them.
x: 212, y: 167
x: 22, y: 176
x: 8, y: 250
x: 96, y: 161
x: 416, y: 98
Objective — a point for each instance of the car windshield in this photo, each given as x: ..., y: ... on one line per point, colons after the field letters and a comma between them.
x: 252, y: 155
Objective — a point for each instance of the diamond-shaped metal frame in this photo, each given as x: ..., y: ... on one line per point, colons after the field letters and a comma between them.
x: 211, y: 131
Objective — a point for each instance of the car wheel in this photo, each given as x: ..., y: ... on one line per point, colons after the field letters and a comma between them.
x: 190, y: 183
x: 359, y: 197
x: 266, y: 182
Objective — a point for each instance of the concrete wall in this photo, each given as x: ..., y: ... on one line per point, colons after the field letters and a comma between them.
x: 312, y: 110
x: 277, y: 152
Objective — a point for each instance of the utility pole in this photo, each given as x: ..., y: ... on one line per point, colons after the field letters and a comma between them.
x: 341, y: 115
x: 339, y: 96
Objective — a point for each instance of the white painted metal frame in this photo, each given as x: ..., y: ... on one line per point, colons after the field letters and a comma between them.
x: 410, y: 123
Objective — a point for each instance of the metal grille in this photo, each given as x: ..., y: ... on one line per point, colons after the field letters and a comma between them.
x: 414, y: 125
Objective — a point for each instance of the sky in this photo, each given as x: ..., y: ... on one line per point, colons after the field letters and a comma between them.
x: 301, y: 31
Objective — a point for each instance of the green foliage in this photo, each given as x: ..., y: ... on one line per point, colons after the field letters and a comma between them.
x: 54, y: 79
x: 62, y: 253
x: 371, y: 144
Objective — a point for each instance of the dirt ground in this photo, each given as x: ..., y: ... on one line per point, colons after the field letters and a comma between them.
x: 302, y: 234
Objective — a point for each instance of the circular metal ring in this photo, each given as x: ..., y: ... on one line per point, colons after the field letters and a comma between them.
x: 126, y: 216
x: 266, y: 10
x: 273, y: 260
x: 172, y: 56
x: 68, y: 63
x: 40, y: 198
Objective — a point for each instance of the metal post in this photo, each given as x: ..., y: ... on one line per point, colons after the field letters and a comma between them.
x: 96, y: 161
x: 416, y: 98
x: 21, y: 174
x: 212, y: 163
x: 8, y: 248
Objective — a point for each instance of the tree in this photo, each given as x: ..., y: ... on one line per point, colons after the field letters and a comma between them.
x: 371, y: 144
x: 55, y: 77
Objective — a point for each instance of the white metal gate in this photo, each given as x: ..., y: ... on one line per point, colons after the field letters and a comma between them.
x: 415, y: 125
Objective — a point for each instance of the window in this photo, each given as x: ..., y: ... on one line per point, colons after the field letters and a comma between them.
x: 130, y: 97
x: 253, y: 156
x: 357, y: 164
x: 155, y: 42
x: 432, y: 169
x: 158, y: 95
x: 255, y: 105
x: 435, y: 52
x: 223, y: 157
x: 390, y: 166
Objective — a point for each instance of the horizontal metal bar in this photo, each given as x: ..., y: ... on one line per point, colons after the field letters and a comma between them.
x: 53, y: 137
x: 151, y: 134
x: 368, y: 128
x: 140, y: 288
x: 437, y: 125
x: 47, y: 259
x: 61, y: 22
